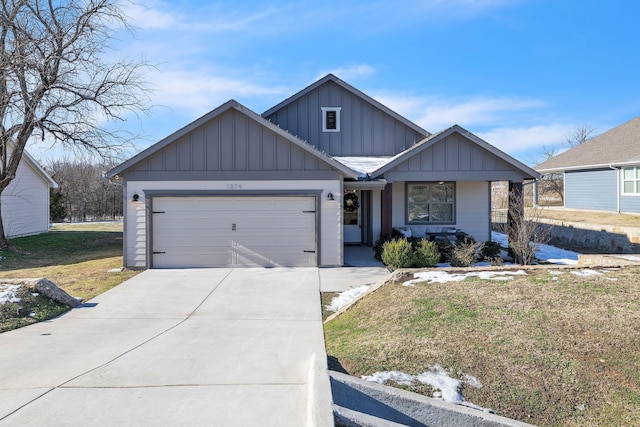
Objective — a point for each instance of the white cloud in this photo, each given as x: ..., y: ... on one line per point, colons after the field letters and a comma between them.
x: 149, y: 16
x: 512, y: 124
x: 434, y: 113
x: 199, y: 91
x: 520, y: 139
x: 350, y: 72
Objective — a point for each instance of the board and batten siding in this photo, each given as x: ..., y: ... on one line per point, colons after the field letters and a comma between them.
x: 137, y: 213
x: 228, y: 143
x: 365, y: 130
x: 455, y: 158
x: 25, y: 203
x: 472, y: 209
x: 592, y: 189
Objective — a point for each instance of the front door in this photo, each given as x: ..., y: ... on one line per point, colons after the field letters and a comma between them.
x: 352, y: 216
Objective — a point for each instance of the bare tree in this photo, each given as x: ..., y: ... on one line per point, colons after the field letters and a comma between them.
x: 579, y: 136
x: 86, y: 194
x: 525, y: 232
x: 553, y: 183
x: 55, y: 81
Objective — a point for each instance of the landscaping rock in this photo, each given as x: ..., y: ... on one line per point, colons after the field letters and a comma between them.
x: 47, y: 288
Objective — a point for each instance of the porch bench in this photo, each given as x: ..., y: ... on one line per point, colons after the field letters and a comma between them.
x: 445, y: 233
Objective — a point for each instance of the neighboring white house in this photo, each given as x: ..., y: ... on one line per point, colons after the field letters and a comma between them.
x: 25, y: 202
x: 326, y: 167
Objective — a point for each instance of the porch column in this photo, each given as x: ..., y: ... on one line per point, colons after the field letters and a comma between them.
x: 516, y: 208
x: 386, y: 225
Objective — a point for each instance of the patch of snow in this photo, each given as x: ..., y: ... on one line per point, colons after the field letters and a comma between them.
x: 444, y: 277
x: 630, y: 257
x: 346, y: 297
x: 546, y: 253
x: 447, y: 388
x: 8, y: 293
x: 390, y: 376
x: 363, y: 165
x: 586, y: 273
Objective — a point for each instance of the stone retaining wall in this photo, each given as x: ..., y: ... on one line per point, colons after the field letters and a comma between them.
x: 592, y: 237
x: 595, y: 237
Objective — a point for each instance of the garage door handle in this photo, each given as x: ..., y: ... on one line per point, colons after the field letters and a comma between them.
x: 309, y: 252
x: 156, y: 252
x: 233, y: 227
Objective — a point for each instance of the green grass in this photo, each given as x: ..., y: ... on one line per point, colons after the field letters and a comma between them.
x: 542, y: 348
x: 31, y: 309
x: 76, y: 257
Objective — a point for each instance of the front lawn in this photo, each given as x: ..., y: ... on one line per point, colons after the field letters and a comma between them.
x: 76, y: 257
x: 549, y: 348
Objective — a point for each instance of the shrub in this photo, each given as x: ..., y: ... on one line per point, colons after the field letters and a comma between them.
x: 464, y: 253
x: 378, y: 245
x: 495, y: 261
x: 445, y: 248
x: 490, y: 250
x: 398, y: 253
x: 426, y: 254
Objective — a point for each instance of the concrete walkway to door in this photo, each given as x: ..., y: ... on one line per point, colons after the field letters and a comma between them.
x: 232, y: 347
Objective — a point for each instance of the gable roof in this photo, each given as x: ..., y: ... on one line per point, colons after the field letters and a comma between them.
x: 231, y: 104
x: 37, y: 167
x: 437, y: 137
x: 616, y: 147
x: 354, y: 91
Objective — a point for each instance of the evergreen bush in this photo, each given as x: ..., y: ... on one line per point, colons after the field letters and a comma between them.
x: 398, y: 253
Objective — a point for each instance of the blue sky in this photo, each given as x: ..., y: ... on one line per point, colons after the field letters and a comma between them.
x: 522, y: 74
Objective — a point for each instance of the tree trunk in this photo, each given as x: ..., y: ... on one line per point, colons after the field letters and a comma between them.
x: 3, y: 239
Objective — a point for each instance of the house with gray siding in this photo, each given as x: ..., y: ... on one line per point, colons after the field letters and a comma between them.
x: 326, y: 167
x: 603, y: 173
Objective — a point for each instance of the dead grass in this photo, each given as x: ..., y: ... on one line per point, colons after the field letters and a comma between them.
x: 76, y: 257
x: 544, y: 346
x: 589, y: 217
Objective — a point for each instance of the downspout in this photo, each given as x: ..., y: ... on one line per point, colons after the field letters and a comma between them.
x: 617, y: 187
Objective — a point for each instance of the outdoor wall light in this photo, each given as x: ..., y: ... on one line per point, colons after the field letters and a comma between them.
x: 330, y: 196
x: 136, y: 197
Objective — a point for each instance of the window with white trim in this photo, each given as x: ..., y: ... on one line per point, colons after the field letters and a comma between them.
x: 331, y: 119
x: 430, y: 202
x: 631, y: 180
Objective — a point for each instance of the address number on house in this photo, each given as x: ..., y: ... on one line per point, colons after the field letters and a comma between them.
x: 234, y: 186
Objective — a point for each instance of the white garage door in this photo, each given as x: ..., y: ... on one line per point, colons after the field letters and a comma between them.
x: 234, y: 231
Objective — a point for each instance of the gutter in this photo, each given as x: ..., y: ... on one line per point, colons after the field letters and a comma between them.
x: 581, y: 167
x: 617, y: 169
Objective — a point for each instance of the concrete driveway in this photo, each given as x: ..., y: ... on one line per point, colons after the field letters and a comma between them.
x: 228, y: 347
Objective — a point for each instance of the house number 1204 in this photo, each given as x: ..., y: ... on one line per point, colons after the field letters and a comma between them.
x: 234, y: 186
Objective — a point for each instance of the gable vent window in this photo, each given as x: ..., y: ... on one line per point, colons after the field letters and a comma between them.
x: 331, y: 119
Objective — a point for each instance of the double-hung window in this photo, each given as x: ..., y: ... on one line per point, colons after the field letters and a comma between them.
x: 631, y: 180
x: 430, y: 202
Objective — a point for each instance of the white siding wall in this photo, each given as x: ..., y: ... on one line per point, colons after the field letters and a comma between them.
x: 472, y: 208
x: 25, y: 203
x: 330, y: 212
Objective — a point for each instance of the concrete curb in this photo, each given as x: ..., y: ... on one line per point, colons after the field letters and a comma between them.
x: 365, y: 401
x: 319, y: 402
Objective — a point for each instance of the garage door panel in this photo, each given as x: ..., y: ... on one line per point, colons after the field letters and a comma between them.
x: 199, y: 231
